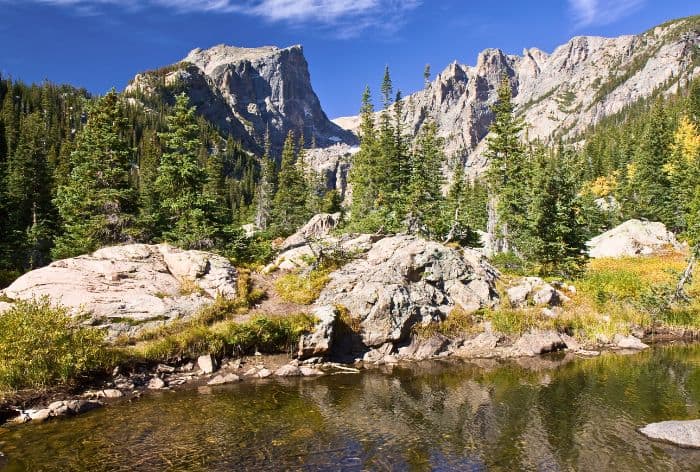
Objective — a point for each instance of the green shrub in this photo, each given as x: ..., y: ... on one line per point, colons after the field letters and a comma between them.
x: 41, y: 345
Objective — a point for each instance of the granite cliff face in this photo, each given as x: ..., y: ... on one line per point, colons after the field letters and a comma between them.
x: 245, y: 91
x: 557, y: 94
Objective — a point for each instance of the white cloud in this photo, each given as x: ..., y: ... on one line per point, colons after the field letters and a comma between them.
x: 347, y: 17
x: 601, y: 12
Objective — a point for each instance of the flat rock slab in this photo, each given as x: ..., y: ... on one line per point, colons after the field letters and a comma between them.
x: 680, y: 433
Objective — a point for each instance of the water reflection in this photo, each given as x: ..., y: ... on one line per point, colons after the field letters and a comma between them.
x: 560, y: 414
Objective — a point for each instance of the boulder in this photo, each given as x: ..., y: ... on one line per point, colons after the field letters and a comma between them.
x: 633, y: 238
x: 320, y: 340
x: 288, y: 370
x: 483, y: 345
x: 301, y: 256
x: 404, y: 280
x: 156, y: 383
x: 318, y: 227
x: 681, y: 433
x: 536, y: 291
x: 206, y: 363
x: 132, y: 287
x: 628, y: 342
x: 40, y: 415
x: 536, y: 343
x: 419, y: 349
x: 224, y: 379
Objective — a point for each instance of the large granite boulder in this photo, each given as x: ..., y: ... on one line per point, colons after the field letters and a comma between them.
x: 681, y: 433
x: 127, y: 288
x: 633, y: 238
x: 405, y: 280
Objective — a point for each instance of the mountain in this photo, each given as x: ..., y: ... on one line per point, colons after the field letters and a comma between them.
x: 558, y: 94
x: 247, y: 91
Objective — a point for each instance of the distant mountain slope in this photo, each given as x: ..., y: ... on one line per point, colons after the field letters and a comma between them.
x: 558, y: 94
x: 246, y: 91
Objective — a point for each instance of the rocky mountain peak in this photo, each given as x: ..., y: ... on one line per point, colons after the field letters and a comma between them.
x: 247, y: 92
x: 558, y: 94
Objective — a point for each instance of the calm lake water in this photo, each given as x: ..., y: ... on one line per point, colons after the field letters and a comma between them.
x: 545, y: 415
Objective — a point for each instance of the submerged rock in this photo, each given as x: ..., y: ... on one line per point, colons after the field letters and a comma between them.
x: 681, y: 433
x: 633, y: 238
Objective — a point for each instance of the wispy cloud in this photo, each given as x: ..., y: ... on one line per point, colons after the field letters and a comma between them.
x: 601, y: 12
x: 346, y: 17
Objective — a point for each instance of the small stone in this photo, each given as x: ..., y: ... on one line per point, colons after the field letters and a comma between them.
x: 288, y: 371
x: 60, y: 411
x: 112, y: 393
x: 40, y: 415
x: 224, y: 379
x: 187, y: 367
x: 206, y: 363
x: 21, y: 418
x: 629, y: 342
x: 165, y: 369
x: 116, y: 371
x: 56, y: 405
x: 252, y: 372
x: 585, y: 353
x: 156, y: 383
x: 264, y: 373
x: 311, y: 372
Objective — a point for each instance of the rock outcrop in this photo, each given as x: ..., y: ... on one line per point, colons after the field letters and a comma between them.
x: 247, y: 91
x: 557, y: 94
x: 535, y: 291
x: 681, y: 433
x: 131, y: 287
x: 319, y: 226
x: 403, y: 281
x: 633, y: 238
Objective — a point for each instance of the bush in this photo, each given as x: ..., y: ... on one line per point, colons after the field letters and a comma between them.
x: 41, y: 345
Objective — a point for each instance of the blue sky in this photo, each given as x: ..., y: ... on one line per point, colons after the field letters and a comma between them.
x: 98, y: 44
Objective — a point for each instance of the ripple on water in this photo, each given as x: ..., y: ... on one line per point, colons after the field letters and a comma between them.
x: 582, y: 415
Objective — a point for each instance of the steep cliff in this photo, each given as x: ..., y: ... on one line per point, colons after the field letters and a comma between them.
x: 558, y: 94
x: 246, y: 91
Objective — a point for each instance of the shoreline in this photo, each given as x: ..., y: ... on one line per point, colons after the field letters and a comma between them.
x: 130, y: 383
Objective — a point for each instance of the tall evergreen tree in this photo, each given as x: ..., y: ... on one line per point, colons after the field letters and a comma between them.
x: 149, y: 202
x: 555, y: 237
x: 266, y: 188
x: 425, y: 199
x: 181, y: 180
x: 28, y: 187
x: 366, y: 171
x: 290, y: 203
x: 507, y: 173
x: 650, y: 184
x: 97, y: 205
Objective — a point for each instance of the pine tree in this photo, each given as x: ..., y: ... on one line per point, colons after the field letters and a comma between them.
x: 365, y: 173
x: 97, y: 205
x: 180, y: 182
x: 266, y: 188
x: 290, y: 203
x: 555, y: 236
x: 28, y: 187
x: 507, y: 173
x: 149, y: 204
x: 650, y: 184
x: 425, y: 201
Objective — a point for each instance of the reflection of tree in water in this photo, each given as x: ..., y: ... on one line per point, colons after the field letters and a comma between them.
x: 531, y: 414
